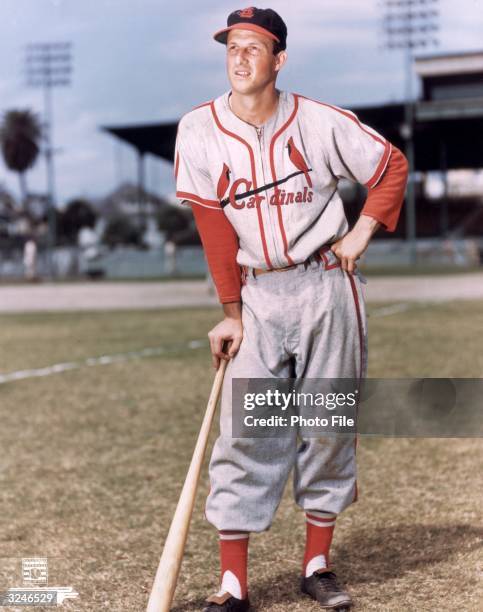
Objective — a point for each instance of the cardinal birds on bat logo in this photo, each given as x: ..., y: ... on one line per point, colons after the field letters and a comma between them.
x: 241, y: 194
x: 298, y: 160
x: 247, y: 13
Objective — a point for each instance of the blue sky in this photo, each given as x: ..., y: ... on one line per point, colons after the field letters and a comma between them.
x: 137, y: 61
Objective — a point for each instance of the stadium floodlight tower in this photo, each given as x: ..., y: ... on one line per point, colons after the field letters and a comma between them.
x: 48, y: 65
x: 409, y: 25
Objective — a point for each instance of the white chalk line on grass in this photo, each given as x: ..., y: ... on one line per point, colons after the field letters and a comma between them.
x: 399, y: 307
x: 95, y: 361
x: 148, y: 352
x: 386, y: 311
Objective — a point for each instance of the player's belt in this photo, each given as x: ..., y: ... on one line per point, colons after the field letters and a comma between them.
x: 258, y: 271
x: 317, y: 256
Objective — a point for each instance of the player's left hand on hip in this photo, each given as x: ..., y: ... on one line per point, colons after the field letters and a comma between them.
x: 349, y: 249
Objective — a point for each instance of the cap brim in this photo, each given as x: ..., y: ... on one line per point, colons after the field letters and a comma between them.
x: 222, y: 35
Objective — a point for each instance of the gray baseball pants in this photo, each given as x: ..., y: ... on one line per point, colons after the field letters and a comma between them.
x: 307, y: 322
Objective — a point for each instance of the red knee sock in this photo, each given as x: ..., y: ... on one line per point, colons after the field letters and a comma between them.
x: 234, y: 562
x: 320, y: 528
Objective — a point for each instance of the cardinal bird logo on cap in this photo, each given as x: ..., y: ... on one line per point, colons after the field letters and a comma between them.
x: 223, y: 182
x: 247, y: 13
x: 298, y: 160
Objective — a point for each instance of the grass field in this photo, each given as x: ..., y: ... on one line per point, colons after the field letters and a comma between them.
x: 92, y: 461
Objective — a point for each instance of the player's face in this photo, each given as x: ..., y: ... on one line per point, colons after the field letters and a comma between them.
x: 251, y: 64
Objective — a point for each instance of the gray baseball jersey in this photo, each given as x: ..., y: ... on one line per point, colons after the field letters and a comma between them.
x: 277, y: 184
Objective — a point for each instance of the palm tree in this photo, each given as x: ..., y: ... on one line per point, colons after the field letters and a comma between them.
x: 20, y: 134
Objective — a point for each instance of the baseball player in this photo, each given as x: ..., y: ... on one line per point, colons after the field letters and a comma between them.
x: 260, y: 167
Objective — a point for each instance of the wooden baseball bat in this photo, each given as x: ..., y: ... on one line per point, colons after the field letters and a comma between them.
x: 166, y: 578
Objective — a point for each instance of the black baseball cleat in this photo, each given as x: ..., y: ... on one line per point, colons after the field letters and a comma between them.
x: 324, y: 588
x: 226, y: 603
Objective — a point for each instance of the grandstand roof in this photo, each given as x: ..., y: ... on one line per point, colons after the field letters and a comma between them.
x: 453, y: 128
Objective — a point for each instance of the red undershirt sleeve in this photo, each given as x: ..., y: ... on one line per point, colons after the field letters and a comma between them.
x: 220, y: 243
x: 195, y: 187
x: 384, y: 200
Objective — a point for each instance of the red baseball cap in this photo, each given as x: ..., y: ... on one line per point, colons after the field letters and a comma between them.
x: 263, y: 21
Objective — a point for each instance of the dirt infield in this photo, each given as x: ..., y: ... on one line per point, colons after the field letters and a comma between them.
x: 153, y: 295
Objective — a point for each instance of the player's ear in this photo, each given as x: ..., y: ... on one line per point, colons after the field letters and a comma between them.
x: 280, y: 60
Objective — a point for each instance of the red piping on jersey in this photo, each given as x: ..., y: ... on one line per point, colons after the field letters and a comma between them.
x: 349, y: 115
x: 194, y: 198
x: 372, y: 182
x: 254, y: 179
x: 274, y: 177
x: 201, y: 105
